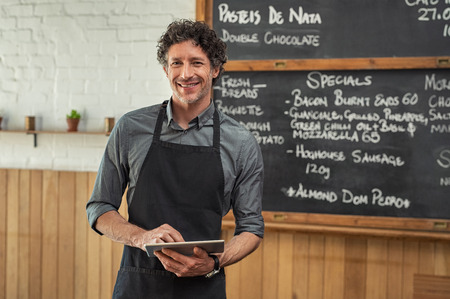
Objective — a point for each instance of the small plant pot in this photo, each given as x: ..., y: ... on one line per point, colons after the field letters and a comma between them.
x: 72, y: 124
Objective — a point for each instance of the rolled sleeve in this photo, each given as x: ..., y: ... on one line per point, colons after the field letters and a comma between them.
x: 112, y: 177
x: 254, y: 225
x: 95, y: 210
x: 248, y: 191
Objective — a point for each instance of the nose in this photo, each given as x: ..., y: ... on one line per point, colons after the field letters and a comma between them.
x: 187, y: 71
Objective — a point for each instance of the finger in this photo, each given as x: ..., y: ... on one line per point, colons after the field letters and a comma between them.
x: 168, y: 263
x: 171, y: 234
x: 176, y: 256
x: 200, y: 252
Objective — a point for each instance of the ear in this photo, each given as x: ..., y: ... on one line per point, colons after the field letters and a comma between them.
x: 216, y: 71
x: 165, y: 71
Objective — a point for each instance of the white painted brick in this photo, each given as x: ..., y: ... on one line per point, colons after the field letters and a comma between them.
x: 7, y: 100
x: 118, y: 73
x: 111, y: 8
x: 124, y: 20
x: 143, y: 100
x: 131, y: 61
x: 33, y: 48
x: 132, y: 87
x: 186, y: 7
x: 67, y: 60
x: 10, y: 86
x: 144, y: 48
x: 18, y: 10
x: 15, y: 61
x: 31, y: 23
x: 117, y: 48
x: 6, y: 73
x: 101, y: 35
x: 28, y: 73
x: 100, y: 87
x: 93, y: 22
x: 97, y: 143
x: 44, y: 9
x: 25, y: 98
x: 77, y: 86
x: 84, y: 73
x: 66, y: 29
x: 8, y: 48
x: 134, y: 34
x: 8, y: 23
x: 23, y: 35
x: 143, y: 73
x: 42, y: 86
x: 108, y: 99
x: 62, y: 85
x: 158, y: 22
x: 101, y: 61
x: 84, y: 99
x: 78, y: 8
x: 144, y: 8
x: 82, y: 48
x: 42, y: 61
x: 6, y: 150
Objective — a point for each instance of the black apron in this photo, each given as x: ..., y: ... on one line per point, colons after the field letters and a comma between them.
x: 183, y: 186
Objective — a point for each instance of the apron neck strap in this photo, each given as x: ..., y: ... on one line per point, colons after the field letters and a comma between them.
x: 162, y: 114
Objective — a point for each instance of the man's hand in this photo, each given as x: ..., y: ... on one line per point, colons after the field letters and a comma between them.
x: 115, y: 227
x: 186, y: 266
x: 163, y: 234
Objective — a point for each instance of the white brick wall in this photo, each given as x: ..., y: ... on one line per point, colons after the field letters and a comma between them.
x: 97, y: 56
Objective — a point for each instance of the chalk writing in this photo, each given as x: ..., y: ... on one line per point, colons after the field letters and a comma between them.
x: 329, y: 29
x: 238, y: 16
x: 432, y: 12
x: 330, y: 128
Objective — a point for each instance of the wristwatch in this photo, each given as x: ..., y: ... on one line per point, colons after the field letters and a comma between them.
x: 216, y: 267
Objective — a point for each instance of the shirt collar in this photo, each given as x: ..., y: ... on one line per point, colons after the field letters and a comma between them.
x: 201, y: 120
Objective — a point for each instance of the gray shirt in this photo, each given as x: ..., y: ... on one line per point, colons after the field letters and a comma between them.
x: 130, y: 141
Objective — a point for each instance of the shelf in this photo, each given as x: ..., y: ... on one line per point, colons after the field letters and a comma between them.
x: 35, y: 133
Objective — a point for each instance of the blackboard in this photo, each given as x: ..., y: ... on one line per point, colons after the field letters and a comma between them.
x: 288, y: 29
x: 348, y: 142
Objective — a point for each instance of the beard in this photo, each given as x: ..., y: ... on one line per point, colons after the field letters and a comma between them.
x: 193, y: 98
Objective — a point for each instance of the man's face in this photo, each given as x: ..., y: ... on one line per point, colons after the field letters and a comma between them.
x: 189, y: 72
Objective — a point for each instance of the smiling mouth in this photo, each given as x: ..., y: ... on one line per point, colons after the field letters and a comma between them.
x: 188, y: 85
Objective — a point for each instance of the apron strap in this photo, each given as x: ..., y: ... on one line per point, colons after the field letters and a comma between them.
x: 216, y: 140
x: 159, y: 122
x: 162, y: 114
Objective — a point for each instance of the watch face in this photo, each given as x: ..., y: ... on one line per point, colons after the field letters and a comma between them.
x: 212, y: 273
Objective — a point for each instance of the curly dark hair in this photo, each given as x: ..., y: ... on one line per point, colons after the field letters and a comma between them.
x: 200, y: 33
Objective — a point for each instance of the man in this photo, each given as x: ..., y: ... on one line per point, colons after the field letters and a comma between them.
x: 185, y: 165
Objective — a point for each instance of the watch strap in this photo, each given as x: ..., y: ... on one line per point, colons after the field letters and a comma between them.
x: 216, y: 266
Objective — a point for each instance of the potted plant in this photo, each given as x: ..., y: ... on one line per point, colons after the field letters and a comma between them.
x: 72, y: 120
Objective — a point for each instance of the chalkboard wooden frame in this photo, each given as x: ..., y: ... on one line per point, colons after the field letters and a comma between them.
x: 392, y: 227
x: 388, y: 227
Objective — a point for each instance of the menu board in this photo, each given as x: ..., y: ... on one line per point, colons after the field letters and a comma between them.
x: 288, y: 29
x: 348, y: 142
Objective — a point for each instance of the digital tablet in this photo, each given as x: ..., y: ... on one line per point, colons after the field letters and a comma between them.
x: 187, y: 248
